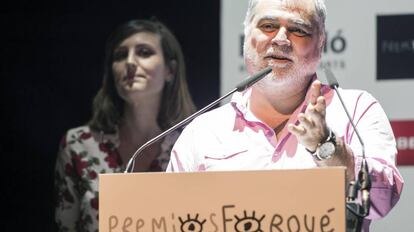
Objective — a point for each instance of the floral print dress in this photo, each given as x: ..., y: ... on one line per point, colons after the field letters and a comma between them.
x: 83, y: 154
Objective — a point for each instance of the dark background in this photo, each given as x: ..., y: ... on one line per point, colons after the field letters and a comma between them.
x: 51, y: 68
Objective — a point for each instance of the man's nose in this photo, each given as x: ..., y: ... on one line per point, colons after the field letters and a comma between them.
x: 281, y: 37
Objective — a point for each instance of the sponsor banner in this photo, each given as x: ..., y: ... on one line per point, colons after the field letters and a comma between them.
x: 404, y: 136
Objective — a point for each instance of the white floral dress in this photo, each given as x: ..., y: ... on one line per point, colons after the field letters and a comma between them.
x: 83, y: 154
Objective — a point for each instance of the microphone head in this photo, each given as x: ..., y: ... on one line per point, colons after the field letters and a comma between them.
x: 330, y: 77
x: 253, y: 79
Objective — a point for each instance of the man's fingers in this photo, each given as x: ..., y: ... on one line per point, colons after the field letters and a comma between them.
x: 315, y: 91
x: 321, y: 105
x: 318, y: 110
x: 306, y: 121
x: 296, y: 129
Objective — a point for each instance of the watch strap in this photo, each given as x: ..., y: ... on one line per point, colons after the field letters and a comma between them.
x: 331, y: 138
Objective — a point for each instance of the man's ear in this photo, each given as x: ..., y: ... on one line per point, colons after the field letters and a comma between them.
x: 322, y: 39
x: 172, y: 71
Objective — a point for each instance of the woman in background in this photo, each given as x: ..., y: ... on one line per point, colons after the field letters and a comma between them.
x: 144, y: 92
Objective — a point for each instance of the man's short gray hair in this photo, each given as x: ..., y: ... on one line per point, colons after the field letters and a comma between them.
x: 320, y: 9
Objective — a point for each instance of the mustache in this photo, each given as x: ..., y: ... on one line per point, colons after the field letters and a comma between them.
x: 280, y: 51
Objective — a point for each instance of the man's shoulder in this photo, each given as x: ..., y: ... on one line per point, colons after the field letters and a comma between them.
x: 356, y: 93
x: 218, y: 117
x: 352, y: 91
x: 223, y: 112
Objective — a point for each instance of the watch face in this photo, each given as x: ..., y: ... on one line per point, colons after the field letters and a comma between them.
x: 326, y: 150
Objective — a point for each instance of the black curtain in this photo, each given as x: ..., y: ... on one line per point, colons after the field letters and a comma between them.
x: 51, y: 67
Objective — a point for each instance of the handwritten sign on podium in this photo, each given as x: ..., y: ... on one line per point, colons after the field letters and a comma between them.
x: 240, y: 201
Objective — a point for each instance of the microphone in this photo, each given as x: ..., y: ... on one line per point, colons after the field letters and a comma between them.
x: 239, y: 88
x: 363, y: 182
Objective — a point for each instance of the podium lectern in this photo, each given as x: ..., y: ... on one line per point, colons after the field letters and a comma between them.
x: 240, y: 201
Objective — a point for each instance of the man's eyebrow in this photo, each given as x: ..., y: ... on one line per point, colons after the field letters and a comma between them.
x: 301, y: 23
x: 297, y: 22
x: 268, y: 17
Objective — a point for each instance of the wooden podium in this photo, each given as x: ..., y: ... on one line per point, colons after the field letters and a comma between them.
x: 240, y: 201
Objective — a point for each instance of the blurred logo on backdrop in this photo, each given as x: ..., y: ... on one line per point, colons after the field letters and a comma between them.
x: 334, y: 50
x: 404, y: 136
x: 395, y: 47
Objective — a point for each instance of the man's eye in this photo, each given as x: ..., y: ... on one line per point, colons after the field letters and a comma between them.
x: 268, y: 27
x: 299, y: 32
x: 144, y: 52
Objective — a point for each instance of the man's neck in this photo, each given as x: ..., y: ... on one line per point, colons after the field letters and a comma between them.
x: 274, y: 110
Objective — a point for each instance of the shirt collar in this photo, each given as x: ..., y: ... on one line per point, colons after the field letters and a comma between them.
x: 240, y: 100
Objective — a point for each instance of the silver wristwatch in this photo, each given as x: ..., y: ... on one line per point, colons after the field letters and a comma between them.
x: 327, y: 148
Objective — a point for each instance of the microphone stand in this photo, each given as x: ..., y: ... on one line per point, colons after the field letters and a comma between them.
x: 240, y: 87
x: 355, y: 212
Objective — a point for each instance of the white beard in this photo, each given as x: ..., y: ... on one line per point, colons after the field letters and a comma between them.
x: 282, y: 81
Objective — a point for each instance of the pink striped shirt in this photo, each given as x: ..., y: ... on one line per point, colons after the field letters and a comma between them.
x: 232, y: 138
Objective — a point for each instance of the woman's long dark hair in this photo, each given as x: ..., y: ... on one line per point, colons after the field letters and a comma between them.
x: 176, y: 102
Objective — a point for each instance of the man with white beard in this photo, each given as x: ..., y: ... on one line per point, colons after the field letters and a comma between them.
x: 289, y: 119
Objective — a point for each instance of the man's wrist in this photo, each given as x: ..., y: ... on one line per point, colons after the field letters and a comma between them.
x: 326, y: 148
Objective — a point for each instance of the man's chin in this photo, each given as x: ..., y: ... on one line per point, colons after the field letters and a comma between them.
x: 280, y: 64
x: 281, y: 72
